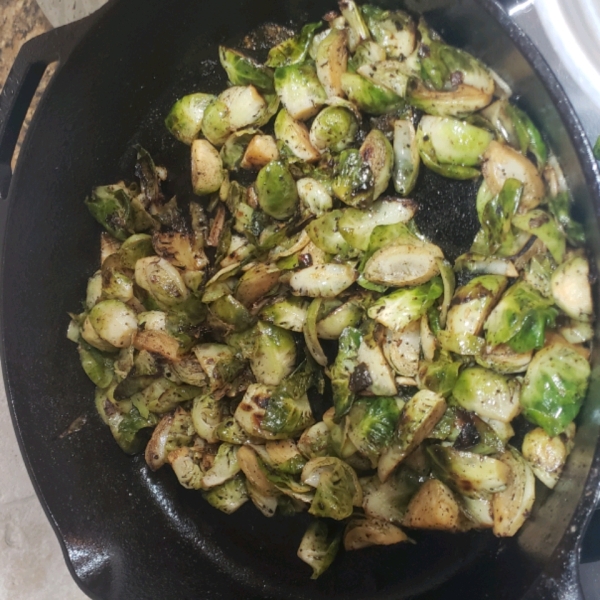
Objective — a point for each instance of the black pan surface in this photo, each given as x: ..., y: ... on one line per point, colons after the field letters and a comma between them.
x: 129, y: 533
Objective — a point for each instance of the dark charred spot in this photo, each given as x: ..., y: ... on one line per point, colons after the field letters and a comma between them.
x: 468, y: 436
x: 424, y: 51
x: 539, y: 221
x: 360, y: 379
x: 465, y: 484
x: 262, y: 401
x: 305, y: 260
x: 456, y: 78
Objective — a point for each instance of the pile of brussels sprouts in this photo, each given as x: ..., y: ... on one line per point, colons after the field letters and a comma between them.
x: 290, y: 338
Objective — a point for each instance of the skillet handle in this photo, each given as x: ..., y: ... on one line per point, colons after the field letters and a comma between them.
x: 22, y: 83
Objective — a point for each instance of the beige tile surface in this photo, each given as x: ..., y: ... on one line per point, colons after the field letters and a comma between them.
x: 31, y: 561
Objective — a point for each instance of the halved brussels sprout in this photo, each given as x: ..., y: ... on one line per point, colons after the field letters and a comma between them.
x: 503, y: 359
x: 354, y: 183
x: 377, y: 152
x: 337, y: 487
x: 276, y: 189
x: 331, y: 61
x: 314, y: 196
x: 372, y: 369
x: 162, y: 280
x: 342, y: 371
x: 513, y: 505
x: 547, y: 455
x: 300, y: 90
x: 348, y: 314
x: 388, y: 74
x: 172, y: 432
x: 114, y: 322
x: 554, y: 387
x: 402, y: 349
x: 261, y: 150
x: 403, y: 306
x: 478, y: 264
x: 315, y: 441
x: 323, y: 281
x: 368, y: 96
x: 110, y: 205
x: 219, y: 362
x: 319, y: 547
x: 207, y: 413
x: 539, y: 223
x: 333, y: 129
x: 362, y: 532
x: 406, y: 157
x: 184, y: 121
x: 433, y: 507
x: 187, y: 465
x: 274, y: 353
x: 295, y: 136
x: 358, y: 30
x: 419, y: 417
x: 325, y: 234
x: 571, y: 290
x: 295, y: 49
x: 288, y: 313
x: 207, y: 168
x: 242, y: 70
x: 256, y: 283
x: 488, y: 394
x: 393, y: 29
x: 224, y: 467
x: 228, y: 496
x: 459, y: 102
x: 470, y: 474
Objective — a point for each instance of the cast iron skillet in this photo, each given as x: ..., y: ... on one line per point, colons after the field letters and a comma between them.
x: 128, y: 533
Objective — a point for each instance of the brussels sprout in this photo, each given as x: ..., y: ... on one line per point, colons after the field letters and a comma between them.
x: 488, y: 394
x: 323, y: 281
x: 539, y: 223
x: 366, y: 53
x: 325, y: 234
x: 172, y: 432
x: 485, y: 265
x: 348, y: 314
x: 93, y: 290
x: 377, y: 153
x: 230, y: 431
x: 219, y: 362
x: 242, y: 70
x: 388, y: 74
x: 184, y: 121
x: 333, y: 129
x: 255, y: 472
x: 398, y: 309
x: 250, y: 412
x: 110, y: 205
x: 207, y: 168
x: 158, y: 342
x: 529, y: 138
x: 246, y: 106
x: 362, y: 532
x: 114, y: 322
x: 342, y: 371
x: 394, y: 30
x: 295, y: 136
x: 570, y: 285
x: 331, y: 60
x: 319, y: 547
x: 560, y: 207
x: 288, y: 410
x: 406, y: 157
x: 187, y: 466
x: 337, y: 487
x: 261, y: 150
x: 276, y: 189
x: 554, y: 387
x: 358, y: 30
x: 520, y: 319
x: 288, y: 313
x: 402, y: 349
x: 439, y: 376
x: 315, y: 441
x: 357, y: 225
x: 451, y: 147
x: 231, y: 155
x: 224, y: 467
x: 370, y: 97
x: 419, y: 417
x: 294, y: 50
x: 434, y: 507
x: 460, y: 102
x: 300, y: 90
x: 354, y: 183
x: 274, y: 353
x: 547, y: 455
x: 216, y: 125
x: 115, y: 284
x: 388, y: 501
x: 501, y: 163
x: 97, y: 366
x: 135, y: 247
x: 310, y: 332
x: 314, y: 196
x: 124, y: 426
x: 207, y: 413
x: 229, y: 496
x: 372, y: 424
x: 162, y: 280
x: 285, y: 456
x: 470, y: 474
x: 503, y: 359
x: 373, y: 374
x: 472, y: 304
x: 576, y: 332
x: 513, y: 505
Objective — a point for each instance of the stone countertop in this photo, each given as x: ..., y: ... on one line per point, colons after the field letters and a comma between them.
x: 31, y: 561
